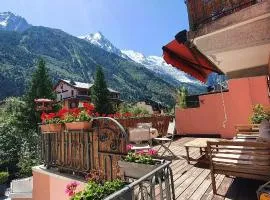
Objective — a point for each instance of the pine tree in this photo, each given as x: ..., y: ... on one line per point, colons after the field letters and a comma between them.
x: 40, y: 87
x: 100, y: 93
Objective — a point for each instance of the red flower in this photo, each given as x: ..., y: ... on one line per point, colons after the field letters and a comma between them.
x: 97, y: 114
x: 117, y: 115
x: 89, y: 107
x: 43, y: 117
x: 111, y: 115
x: 103, y: 115
x: 75, y: 111
x: 127, y: 114
x: 61, y: 113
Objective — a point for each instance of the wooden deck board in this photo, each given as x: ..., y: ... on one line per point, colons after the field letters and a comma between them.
x: 193, y: 182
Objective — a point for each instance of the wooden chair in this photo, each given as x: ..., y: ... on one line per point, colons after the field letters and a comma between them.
x: 140, y: 138
x: 166, y: 141
x: 240, y: 159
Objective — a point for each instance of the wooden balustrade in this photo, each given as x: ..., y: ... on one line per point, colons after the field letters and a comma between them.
x: 79, y: 151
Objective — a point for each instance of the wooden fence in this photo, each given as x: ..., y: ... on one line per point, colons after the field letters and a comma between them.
x: 78, y: 152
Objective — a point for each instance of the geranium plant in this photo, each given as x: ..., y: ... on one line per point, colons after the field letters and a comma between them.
x: 97, y: 187
x: 143, y: 156
x: 80, y: 114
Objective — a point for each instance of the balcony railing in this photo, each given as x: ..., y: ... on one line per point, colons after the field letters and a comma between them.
x: 160, y: 187
x: 78, y: 152
x: 205, y: 11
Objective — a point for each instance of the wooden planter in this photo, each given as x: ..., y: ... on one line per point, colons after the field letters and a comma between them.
x: 137, y: 170
x: 51, y: 128
x: 74, y: 126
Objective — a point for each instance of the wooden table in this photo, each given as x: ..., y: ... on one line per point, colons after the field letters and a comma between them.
x: 200, y: 143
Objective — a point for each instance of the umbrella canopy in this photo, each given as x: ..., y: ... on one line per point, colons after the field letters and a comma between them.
x: 188, y: 58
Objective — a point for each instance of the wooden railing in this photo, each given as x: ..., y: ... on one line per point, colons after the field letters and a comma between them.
x: 78, y: 152
x: 205, y: 11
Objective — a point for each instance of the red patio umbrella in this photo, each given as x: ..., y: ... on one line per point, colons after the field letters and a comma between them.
x: 188, y: 58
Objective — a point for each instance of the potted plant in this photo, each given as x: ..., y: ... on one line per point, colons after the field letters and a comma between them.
x: 140, y: 163
x: 79, y: 119
x: 3, y: 180
x: 51, y: 122
x: 97, y: 188
x: 259, y: 114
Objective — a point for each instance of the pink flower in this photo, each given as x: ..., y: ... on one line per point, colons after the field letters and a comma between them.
x: 152, y: 152
x: 141, y: 152
x: 129, y: 147
x: 70, y: 188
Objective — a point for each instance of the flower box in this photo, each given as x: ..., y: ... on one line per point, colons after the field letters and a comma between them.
x: 137, y: 170
x: 78, y: 126
x: 51, y: 128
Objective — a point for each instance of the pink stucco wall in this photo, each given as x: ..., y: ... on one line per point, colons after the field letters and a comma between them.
x: 209, y: 118
x: 50, y: 186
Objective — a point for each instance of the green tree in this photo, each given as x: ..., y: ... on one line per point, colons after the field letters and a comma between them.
x: 100, y: 93
x: 40, y: 87
x: 10, y: 135
x: 182, y: 97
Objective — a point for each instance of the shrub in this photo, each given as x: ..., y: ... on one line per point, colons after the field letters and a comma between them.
x: 259, y: 114
x: 97, y: 191
x: 4, y: 177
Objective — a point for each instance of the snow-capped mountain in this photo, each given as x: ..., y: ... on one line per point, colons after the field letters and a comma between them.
x: 101, y: 41
x: 12, y: 22
x: 153, y: 63
x: 158, y: 65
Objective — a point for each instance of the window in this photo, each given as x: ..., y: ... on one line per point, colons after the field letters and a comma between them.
x: 62, y: 86
x: 72, y: 92
x: 61, y: 97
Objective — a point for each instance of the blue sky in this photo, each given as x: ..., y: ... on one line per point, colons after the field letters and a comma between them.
x: 140, y: 25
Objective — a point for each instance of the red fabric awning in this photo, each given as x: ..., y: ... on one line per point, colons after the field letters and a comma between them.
x: 189, y: 60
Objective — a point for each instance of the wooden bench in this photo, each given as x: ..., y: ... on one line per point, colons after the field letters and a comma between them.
x: 247, y: 131
x: 240, y: 159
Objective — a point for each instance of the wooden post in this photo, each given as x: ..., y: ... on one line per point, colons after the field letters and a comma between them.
x: 212, y: 169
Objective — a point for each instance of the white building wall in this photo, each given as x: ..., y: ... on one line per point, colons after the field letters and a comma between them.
x: 65, y: 92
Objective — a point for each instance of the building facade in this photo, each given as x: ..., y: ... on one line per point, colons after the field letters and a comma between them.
x: 72, y: 94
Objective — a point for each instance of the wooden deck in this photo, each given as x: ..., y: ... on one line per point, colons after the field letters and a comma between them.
x: 192, y: 181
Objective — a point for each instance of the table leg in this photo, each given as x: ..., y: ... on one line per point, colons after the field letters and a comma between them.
x: 188, y: 159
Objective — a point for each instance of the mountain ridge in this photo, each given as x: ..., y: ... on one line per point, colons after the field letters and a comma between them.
x: 69, y: 57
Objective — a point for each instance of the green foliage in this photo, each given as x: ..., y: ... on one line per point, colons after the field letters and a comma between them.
x: 100, y: 93
x: 182, y: 97
x: 11, y: 136
x: 133, y: 109
x: 3, y: 177
x: 259, y: 114
x: 19, y: 139
x: 95, y: 191
x: 40, y: 87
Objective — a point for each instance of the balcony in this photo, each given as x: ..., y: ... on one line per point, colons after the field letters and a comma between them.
x: 205, y: 11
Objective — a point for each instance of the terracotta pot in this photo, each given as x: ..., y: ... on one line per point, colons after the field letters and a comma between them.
x: 51, y: 128
x: 78, y: 126
x: 137, y: 170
